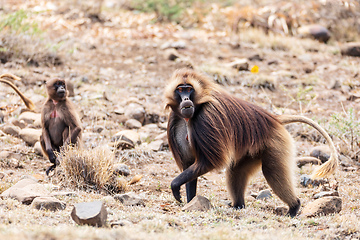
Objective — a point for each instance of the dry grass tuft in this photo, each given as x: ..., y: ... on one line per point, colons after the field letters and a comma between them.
x: 88, y: 169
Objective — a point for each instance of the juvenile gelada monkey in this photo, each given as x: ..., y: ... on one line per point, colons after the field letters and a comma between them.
x: 61, y: 124
x: 211, y: 129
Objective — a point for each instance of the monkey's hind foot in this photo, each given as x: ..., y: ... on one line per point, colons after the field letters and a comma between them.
x: 49, y: 169
x: 293, y: 210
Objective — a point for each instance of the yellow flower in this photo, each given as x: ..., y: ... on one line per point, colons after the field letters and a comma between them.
x: 255, y: 69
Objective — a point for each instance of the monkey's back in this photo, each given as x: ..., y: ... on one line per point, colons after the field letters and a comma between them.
x: 230, y: 128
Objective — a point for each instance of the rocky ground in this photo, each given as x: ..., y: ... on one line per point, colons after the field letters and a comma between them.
x: 119, y: 67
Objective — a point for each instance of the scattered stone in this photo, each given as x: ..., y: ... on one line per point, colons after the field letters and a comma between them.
x: 264, y: 194
x: 156, y: 145
x: 12, y: 130
x: 255, y: 57
x: 19, y: 123
x: 135, y: 179
x: 130, y: 199
x: 315, y: 31
x: 351, y: 49
x: 2, y: 175
x: 345, y: 161
x: 48, y: 203
x: 30, y: 136
x: 306, y: 181
x: 2, y: 133
x: 176, y: 45
x: 119, y: 110
x: 120, y: 223
x: 30, y: 117
x: 1, y: 117
x: 171, y: 54
x: 133, y: 124
x: 240, y: 64
x: 25, y: 191
x: 321, y: 152
x: 306, y: 160
x: 281, y: 211
x: 122, y: 169
x: 64, y: 194
x: 326, y: 194
x: 129, y: 136
x: 135, y: 111
x: 90, y: 213
x: 198, y: 203
x: 323, y: 206
x: 98, y: 128
x: 163, y: 137
x: 38, y: 149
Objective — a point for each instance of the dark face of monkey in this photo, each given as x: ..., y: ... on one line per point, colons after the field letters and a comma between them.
x: 57, y: 90
x: 184, y: 95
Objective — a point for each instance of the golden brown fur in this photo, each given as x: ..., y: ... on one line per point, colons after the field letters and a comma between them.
x: 225, y: 131
x: 29, y: 104
x: 60, y: 123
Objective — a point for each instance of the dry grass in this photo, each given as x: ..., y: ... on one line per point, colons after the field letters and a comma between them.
x: 87, y: 169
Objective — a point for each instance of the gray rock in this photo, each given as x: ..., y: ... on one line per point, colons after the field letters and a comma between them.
x: 122, y: 169
x: 48, y: 203
x: 281, y: 211
x: 25, y: 191
x: 90, y: 213
x: 135, y: 111
x: 176, y: 45
x: 240, y: 64
x: 30, y: 117
x: 300, y: 162
x: 19, y: 123
x: 351, y: 49
x: 163, y: 137
x: 306, y: 181
x: 315, y: 31
x: 12, y: 130
x: 120, y: 223
x: 64, y: 194
x: 156, y: 145
x: 130, y: 199
x: 321, y: 152
x: 127, y: 135
x: 38, y: 149
x: 322, y: 206
x: 133, y: 124
x: 326, y: 194
x: 30, y: 136
x: 264, y: 194
x: 1, y: 117
x: 171, y: 54
x: 198, y: 203
x: 98, y: 128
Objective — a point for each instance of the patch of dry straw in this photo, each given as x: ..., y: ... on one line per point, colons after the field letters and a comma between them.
x: 87, y: 169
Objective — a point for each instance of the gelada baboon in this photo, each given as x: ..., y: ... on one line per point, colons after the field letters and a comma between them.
x: 29, y: 104
x: 61, y: 124
x: 211, y: 129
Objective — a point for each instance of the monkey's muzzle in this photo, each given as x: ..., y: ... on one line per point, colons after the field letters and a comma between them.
x: 187, y: 109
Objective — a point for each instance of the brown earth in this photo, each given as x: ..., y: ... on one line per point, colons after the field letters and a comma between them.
x: 120, y: 59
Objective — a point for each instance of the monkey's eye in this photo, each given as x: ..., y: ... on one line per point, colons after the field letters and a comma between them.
x: 188, y: 89
x: 180, y: 89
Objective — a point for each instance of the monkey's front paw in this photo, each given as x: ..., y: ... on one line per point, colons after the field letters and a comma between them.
x: 52, y: 156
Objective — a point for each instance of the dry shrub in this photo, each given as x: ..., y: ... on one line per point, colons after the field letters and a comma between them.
x: 88, y: 169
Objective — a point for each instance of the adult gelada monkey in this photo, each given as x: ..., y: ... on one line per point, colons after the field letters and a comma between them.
x: 60, y: 123
x: 211, y: 129
x: 29, y: 104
